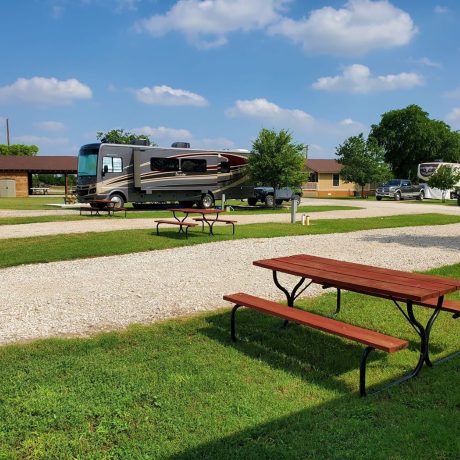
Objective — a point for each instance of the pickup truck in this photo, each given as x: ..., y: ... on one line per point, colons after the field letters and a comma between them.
x: 399, y: 189
x: 266, y: 196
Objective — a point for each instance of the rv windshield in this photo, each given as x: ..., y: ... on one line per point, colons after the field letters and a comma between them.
x: 87, y: 162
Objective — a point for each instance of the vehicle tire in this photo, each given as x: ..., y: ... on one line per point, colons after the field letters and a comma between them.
x: 421, y: 196
x: 378, y: 198
x: 279, y: 202
x: 398, y: 196
x: 453, y: 195
x: 118, y: 199
x: 252, y: 201
x: 297, y: 198
x: 186, y: 204
x: 269, y: 201
x: 206, y: 201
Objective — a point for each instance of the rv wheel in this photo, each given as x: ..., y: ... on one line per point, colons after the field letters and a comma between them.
x: 118, y: 199
x: 206, y: 201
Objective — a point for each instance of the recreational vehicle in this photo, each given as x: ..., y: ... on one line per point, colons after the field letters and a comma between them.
x: 145, y: 174
x: 426, y: 170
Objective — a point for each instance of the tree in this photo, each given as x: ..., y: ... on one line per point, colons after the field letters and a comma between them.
x: 444, y: 178
x: 18, y: 150
x: 276, y: 160
x: 120, y: 136
x: 410, y: 137
x: 363, y: 161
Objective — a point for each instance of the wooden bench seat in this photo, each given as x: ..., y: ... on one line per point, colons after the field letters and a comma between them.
x: 212, y: 221
x: 372, y: 340
x: 176, y: 222
x: 114, y: 210
x: 452, y: 306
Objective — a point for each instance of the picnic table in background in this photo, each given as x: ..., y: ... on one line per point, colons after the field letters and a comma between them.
x: 39, y: 190
x: 404, y: 289
x: 98, y: 206
x: 209, y: 216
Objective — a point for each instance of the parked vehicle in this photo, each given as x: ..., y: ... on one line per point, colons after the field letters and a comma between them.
x: 266, y: 195
x: 399, y: 189
x: 145, y: 174
x: 426, y: 170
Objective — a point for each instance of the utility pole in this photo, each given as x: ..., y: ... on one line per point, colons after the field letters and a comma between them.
x: 7, y: 132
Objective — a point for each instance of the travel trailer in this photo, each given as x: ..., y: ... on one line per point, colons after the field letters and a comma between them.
x: 145, y: 174
x: 426, y: 170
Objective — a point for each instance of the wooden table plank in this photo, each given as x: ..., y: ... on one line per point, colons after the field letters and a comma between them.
x: 374, y: 273
x: 386, y: 271
x: 351, y: 282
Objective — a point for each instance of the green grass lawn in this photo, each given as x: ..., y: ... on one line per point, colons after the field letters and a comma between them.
x: 181, y: 389
x: 80, y: 245
x: 446, y: 203
x: 131, y: 214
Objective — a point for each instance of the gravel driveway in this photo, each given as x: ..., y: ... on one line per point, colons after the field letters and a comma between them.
x: 83, y: 296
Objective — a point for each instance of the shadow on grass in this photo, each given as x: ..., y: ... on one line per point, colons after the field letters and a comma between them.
x: 295, y: 349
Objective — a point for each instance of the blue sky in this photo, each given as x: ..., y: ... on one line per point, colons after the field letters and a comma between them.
x: 214, y: 72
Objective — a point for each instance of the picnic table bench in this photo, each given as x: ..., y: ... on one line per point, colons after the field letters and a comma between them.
x: 98, y: 206
x: 395, y: 285
x: 372, y: 340
x: 39, y: 190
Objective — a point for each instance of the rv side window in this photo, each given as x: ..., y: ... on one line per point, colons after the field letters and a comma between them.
x: 164, y: 164
x: 192, y: 165
x: 114, y: 164
x: 225, y: 166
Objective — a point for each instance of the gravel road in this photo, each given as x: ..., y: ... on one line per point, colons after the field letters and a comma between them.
x: 83, y: 296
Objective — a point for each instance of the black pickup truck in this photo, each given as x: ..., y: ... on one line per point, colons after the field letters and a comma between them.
x: 399, y: 189
x: 266, y: 196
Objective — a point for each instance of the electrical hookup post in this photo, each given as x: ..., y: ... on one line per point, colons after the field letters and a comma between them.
x: 293, y: 209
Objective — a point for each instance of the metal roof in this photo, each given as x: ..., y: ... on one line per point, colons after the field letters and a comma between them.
x: 324, y: 166
x: 39, y: 164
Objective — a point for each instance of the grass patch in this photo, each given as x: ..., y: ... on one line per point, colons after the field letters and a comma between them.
x: 181, y: 389
x: 131, y: 214
x: 428, y: 201
x: 19, y: 251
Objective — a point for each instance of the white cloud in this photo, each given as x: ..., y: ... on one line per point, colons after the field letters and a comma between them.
x: 165, y: 95
x: 453, y: 117
x: 44, y: 91
x: 164, y: 133
x: 126, y: 5
x: 206, y: 23
x: 166, y: 136
x: 441, y: 9
x: 295, y: 120
x: 356, y: 29
x: 266, y: 110
x: 50, y: 125
x: 357, y: 78
x: 41, y: 140
x: 427, y: 62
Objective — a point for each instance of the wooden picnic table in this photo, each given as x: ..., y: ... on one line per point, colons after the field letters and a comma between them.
x: 97, y: 206
x: 209, y: 216
x: 399, y: 286
x: 39, y: 190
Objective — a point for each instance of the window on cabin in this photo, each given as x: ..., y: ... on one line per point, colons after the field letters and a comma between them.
x: 114, y: 164
x: 335, y: 180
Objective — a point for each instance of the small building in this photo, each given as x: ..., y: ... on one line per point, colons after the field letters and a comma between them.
x: 21, y: 168
x: 325, y: 180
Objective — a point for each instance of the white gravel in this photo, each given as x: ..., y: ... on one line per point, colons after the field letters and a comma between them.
x: 83, y: 296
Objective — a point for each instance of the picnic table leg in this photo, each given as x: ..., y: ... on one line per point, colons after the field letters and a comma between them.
x: 290, y: 296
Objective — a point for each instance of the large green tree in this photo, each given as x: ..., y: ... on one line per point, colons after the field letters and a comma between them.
x: 363, y: 161
x: 18, y: 150
x: 120, y: 136
x: 410, y: 137
x: 276, y: 160
x: 445, y: 178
